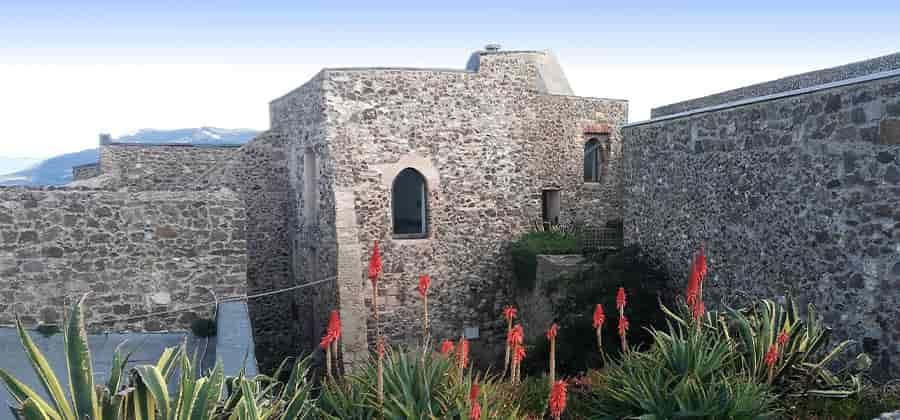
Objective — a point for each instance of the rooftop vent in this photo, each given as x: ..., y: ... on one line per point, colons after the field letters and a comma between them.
x: 492, y: 47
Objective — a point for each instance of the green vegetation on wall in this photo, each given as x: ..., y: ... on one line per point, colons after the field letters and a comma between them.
x: 526, y: 249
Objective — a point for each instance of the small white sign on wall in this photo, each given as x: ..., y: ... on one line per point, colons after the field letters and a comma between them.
x: 470, y: 333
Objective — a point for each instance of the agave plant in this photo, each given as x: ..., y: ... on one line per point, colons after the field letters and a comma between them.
x: 143, y: 392
x: 801, y: 367
x: 684, y: 375
x: 82, y: 400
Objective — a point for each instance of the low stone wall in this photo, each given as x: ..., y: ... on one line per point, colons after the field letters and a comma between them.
x: 799, y: 196
x: 135, y: 252
x: 82, y: 172
x: 536, y: 306
x: 174, y: 167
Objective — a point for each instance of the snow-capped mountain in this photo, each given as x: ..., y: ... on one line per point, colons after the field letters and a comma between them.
x: 58, y: 170
x: 15, y: 164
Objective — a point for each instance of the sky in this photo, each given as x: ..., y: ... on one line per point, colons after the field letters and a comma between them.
x: 70, y: 70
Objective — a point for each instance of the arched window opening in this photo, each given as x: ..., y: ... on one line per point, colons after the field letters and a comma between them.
x: 596, y: 156
x: 410, y: 207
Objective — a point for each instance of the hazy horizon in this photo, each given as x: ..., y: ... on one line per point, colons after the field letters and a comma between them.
x: 71, y: 70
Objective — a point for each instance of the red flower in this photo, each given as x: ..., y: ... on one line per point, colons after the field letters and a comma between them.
x: 599, y: 316
x: 695, y: 279
x: 698, y: 309
x: 783, y: 338
x: 552, y: 332
x: 518, y: 352
x: 620, y: 299
x: 510, y: 312
x: 462, y: 353
x: 334, y: 324
x: 424, y: 282
x: 516, y: 335
x: 557, y: 399
x: 375, y: 265
x: 326, y: 341
x: 623, y: 326
x: 772, y: 355
x: 475, y: 412
x: 446, y: 347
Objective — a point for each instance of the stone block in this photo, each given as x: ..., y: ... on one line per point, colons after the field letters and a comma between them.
x: 889, y: 132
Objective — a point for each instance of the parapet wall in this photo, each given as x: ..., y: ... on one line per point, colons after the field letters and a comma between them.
x: 172, y: 167
x: 793, y: 196
x: 800, y: 81
x: 135, y: 252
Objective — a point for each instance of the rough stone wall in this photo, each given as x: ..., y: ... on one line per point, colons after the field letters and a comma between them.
x: 82, y: 172
x: 258, y: 173
x: 299, y: 117
x: 805, y: 80
x: 136, y: 252
x: 471, y: 135
x: 160, y: 167
x: 797, y: 196
x: 555, y: 150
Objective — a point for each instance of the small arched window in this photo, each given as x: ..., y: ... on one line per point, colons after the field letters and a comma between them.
x: 410, y: 207
x: 596, y: 155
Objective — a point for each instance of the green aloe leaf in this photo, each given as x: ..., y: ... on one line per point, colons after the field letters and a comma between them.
x: 45, y: 373
x: 34, y: 411
x: 155, y: 384
x: 23, y: 393
x: 78, y: 361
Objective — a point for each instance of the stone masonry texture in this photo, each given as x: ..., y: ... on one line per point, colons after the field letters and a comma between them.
x: 135, y: 252
x: 805, y: 80
x: 160, y: 167
x: 486, y: 141
x: 796, y: 196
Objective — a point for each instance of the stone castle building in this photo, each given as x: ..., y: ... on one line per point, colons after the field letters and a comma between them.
x: 792, y: 184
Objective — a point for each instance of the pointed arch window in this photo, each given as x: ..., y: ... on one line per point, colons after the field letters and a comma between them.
x: 596, y: 158
x: 410, y: 205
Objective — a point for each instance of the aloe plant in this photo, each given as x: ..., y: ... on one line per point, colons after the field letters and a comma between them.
x: 81, y: 401
x: 802, y: 366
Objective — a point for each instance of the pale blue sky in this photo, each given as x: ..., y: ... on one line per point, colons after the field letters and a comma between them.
x: 72, y: 69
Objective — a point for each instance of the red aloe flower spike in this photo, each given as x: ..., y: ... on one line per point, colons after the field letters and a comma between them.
x: 599, y: 316
x: 462, y: 353
x: 695, y: 279
x: 334, y: 324
x: 325, y: 344
x: 475, y: 413
x: 446, y: 347
x: 698, y: 310
x: 783, y: 338
x: 375, y: 265
x: 516, y: 335
x: 552, y: 332
x: 620, y: 300
x: 424, y: 282
x: 510, y: 312
x: 772, y: 356
x: 557, y: 399
x: 623, y: 326
x: 519, y: 353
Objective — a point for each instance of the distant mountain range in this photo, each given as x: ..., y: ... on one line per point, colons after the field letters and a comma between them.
x: 15, y: 164
x: 58, y: 170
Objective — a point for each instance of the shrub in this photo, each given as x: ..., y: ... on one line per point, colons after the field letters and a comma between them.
x: 646, y: 285
x: 526, y: 249
x: 684, y: 375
